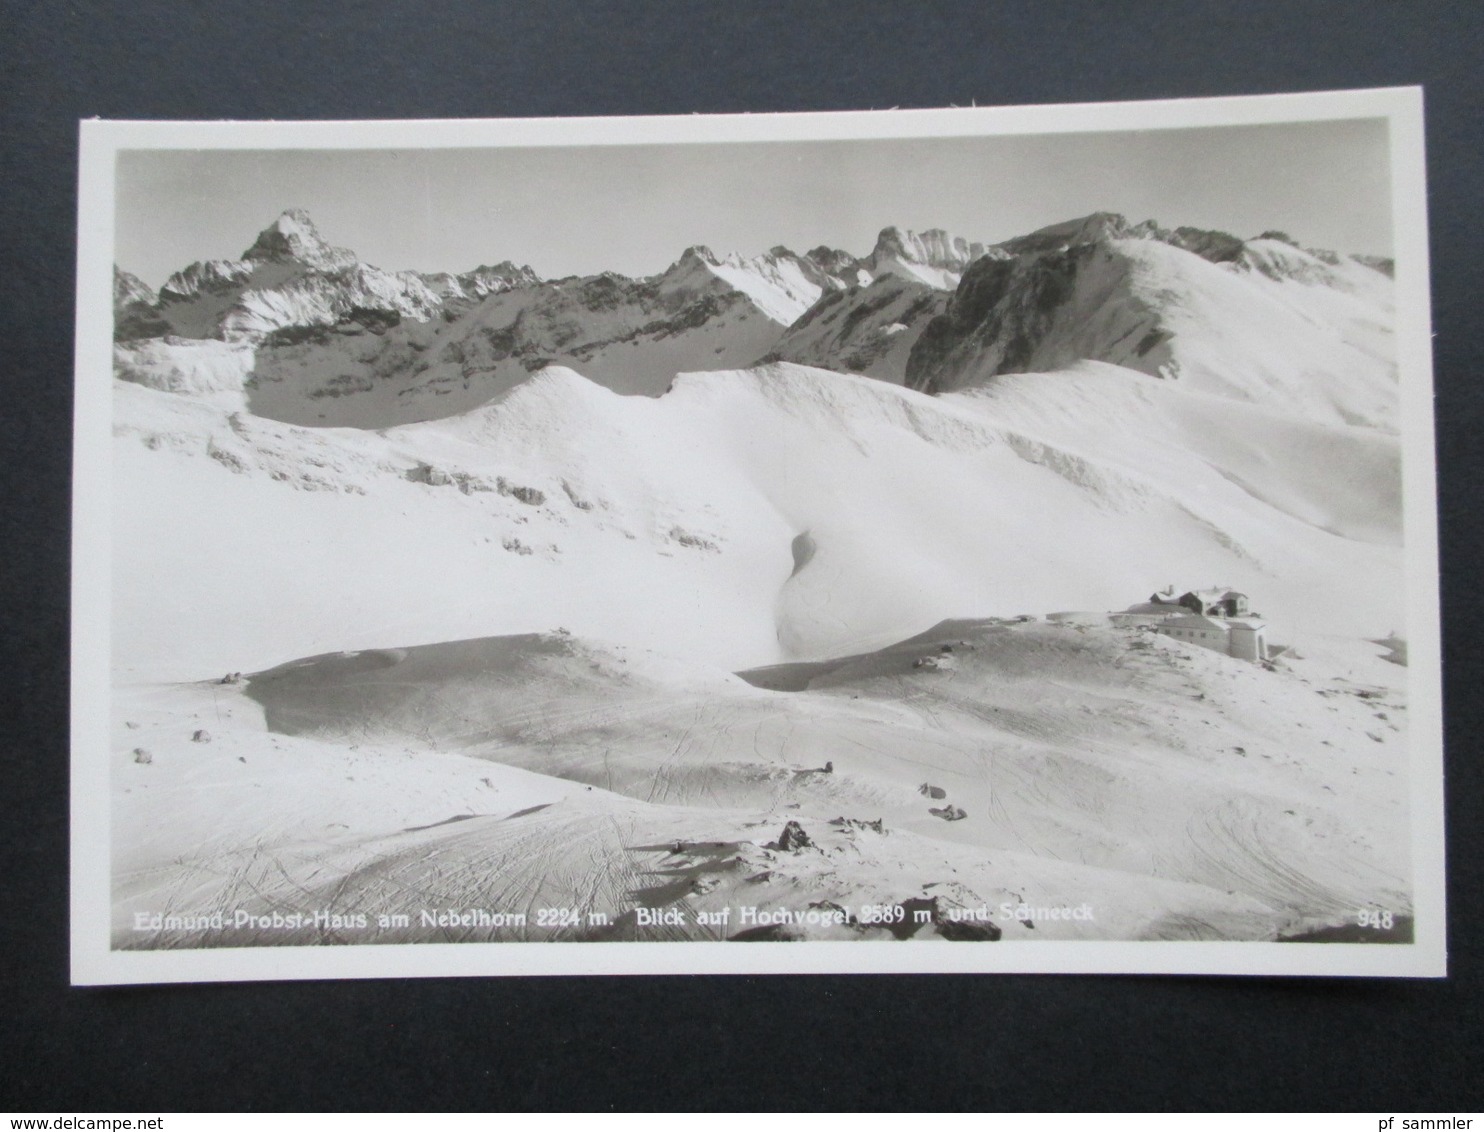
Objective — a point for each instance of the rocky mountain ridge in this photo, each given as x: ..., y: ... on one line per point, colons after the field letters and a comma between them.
x: 315, y: 336
x: 1241, y: 318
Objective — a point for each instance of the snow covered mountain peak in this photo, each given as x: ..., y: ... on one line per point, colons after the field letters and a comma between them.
x: 293, y: 237
x: 778, y: 283
x: 305, y: 333
x: 1097, y: 227
x: 129, y: 289
x: 933, y: 257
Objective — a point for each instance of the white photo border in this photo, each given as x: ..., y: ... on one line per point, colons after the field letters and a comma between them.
x: 94, y: 962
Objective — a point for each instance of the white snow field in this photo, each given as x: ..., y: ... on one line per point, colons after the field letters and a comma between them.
x: 781, y: 515
x: 1169, y: 792
x: 490, y: 613
x: 680, y: 523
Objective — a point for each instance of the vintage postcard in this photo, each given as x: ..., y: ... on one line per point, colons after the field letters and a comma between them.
x: 972, y: 540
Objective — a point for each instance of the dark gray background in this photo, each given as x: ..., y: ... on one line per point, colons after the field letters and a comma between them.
x: 841, y: 1043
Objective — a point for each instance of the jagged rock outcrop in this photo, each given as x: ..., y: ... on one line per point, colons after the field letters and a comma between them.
x: 133, y: 308
x: 130, y: 290
x: 839, y: 265
x: 1000, y: 316
x: 792, y: 839
x: 933, y: 257
x: 212, y: 277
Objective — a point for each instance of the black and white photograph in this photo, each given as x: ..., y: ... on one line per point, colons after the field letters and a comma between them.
x: 764, y: 543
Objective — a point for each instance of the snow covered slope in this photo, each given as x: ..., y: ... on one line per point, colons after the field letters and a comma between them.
x: 1169, y: 792
x: 745, y: 517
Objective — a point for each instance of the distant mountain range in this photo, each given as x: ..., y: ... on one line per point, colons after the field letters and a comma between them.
x: 306, y: 333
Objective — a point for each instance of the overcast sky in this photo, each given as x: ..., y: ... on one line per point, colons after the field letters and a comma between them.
x: 634, y: 209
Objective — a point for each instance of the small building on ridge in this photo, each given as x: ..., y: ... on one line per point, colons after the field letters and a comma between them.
x: 1244, y: 638
x: 1218, y: 601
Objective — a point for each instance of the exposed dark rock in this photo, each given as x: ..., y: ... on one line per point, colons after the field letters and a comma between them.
x: 530, y: 496
x: 694, y: 541
x: 768, y: 933
x: 1003, y: 308
x: 1217, y: 247
x: 876, y: 825
x: 969, y: 930
x: 428, y: 474
x: 314, y: 334
x: 376, y: 320
x: 134, y: 314
x: 212, y: 277
x: 792, y: 839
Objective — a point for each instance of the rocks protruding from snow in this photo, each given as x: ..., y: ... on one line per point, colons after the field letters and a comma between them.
x: 1000, y: 318
x: 476, y: 284
x: 1090, y: 229
x: 293, y: 238
x: 969, y: 931
x: 792, y: 839
x: 1384, y: 264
